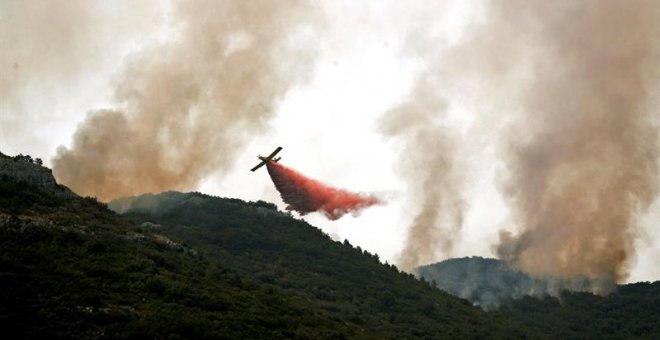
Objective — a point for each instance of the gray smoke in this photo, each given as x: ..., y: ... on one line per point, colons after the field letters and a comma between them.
x: 42, y: 42
x: 581, y: 158
x: 184, y: 108
x: 574, y: 81
x: 432, y: 172
x: 50, y: 49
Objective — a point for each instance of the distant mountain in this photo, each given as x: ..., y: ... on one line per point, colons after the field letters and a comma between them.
x: 490, y: 282
x: 189, y: 265
x: 551, y: 306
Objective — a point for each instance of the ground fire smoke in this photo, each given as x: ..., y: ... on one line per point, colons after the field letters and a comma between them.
x: 186, y: 105
x: 576, y: 84
x: 431, y: 169
x: 581, y: 159
x: 306, y: 195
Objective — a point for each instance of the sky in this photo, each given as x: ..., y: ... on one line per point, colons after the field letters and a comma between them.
x: 334, y: 122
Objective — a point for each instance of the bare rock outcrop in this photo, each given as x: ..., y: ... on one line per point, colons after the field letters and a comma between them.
x: 22, y: 169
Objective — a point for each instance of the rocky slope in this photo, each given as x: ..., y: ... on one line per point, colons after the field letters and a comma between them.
x: 24, y: 169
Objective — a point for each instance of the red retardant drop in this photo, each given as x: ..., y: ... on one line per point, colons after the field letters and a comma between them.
x: 306, y: 195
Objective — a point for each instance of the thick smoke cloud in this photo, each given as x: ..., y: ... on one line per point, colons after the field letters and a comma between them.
x: 581, y: 158
x: 306, y: 195
x: 53, y: 55
x: 184, y: 108
x: 430, y: 165
x: 573, y: 83
x: 43, y: 42
x: 44, y: 45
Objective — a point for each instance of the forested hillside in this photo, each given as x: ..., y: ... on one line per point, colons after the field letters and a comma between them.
x: 189, y: 265
x: 205, y: 267
x: 631, y: 312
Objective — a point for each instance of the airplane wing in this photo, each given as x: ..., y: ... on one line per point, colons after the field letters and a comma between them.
x: 258, y: 166
x: 279, y: 148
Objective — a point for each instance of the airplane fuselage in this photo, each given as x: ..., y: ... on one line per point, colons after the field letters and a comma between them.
x: 265, y: 159
x: 269, y: 158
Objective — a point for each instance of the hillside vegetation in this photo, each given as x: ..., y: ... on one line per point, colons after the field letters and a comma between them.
x: 631, y: 312
x: 188, y: 265
x: 205, y: 267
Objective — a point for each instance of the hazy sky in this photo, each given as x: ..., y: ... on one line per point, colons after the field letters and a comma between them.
x: 331, y: 123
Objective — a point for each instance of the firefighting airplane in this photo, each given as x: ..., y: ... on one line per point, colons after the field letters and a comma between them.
x: 267, y: 159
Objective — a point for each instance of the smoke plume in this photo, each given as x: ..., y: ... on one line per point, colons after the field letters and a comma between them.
x: 50, y: 49
x: 43, y: 42
x: 185, y: 107
x: 430, y: 166
x: 581, y: 159
x: 574, y: 83
x: 306, y: 195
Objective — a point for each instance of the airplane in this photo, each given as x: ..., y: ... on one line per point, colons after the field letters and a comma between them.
x: 269, y: 158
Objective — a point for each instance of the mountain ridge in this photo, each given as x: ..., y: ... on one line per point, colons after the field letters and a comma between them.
x: 208, y: 267
x: 190, y: 265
